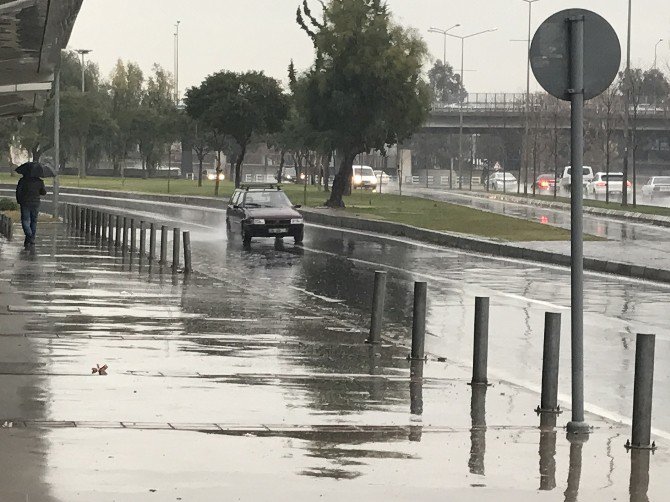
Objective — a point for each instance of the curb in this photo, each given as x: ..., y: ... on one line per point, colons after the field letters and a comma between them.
x: 484, y: 246
x: 448, y: 239
x: 649, y: 219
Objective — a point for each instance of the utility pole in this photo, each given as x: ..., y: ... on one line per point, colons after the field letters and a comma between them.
x: 83, y: 53
x: 462, y: 99
x: 626, y: 115
x: 527, y: 111
x: 56, y: 188
x: 176, y: 64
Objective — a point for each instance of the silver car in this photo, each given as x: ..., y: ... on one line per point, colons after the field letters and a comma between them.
x: 658, y: 186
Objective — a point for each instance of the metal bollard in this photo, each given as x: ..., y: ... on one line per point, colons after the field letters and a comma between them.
x: 480, y: 355
x: 124, y: 232
x: 133, y: 236
x: 117, y: 233
x: 82, y: 220
x: 106, y: 220
x: 152, y: 241
x: 188, y: 266
x: 143, y: 240
x: 98, y: 224
x: 94, y: 222
x: 164, y: 234
x: 419, y: 321
x: 550, y: 364
x: 176, y: 234
x: 378, y: 299
x: 642, y: 393
x: 87, y: 220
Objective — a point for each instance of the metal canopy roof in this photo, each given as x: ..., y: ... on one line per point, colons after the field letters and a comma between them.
x: 32, y: 34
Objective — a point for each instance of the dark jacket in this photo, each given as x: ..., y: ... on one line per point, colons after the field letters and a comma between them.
x: 29, y: 190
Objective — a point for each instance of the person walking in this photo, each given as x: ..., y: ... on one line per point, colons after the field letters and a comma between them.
x: 29, y: 191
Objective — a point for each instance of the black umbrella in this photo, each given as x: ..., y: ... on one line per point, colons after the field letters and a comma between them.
x: 35, y: 170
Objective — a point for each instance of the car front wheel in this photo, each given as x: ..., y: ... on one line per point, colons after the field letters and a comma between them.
x: 299, y: 236
x: 246, y: 237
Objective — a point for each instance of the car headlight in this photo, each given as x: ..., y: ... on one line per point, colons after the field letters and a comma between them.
x: 358, y: 180
x: 297, y: 221
x: 258, y: 221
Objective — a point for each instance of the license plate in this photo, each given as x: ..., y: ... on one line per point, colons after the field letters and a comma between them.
x: 278, y: 230
x: 665, y: 189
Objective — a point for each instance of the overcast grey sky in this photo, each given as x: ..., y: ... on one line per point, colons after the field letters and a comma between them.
x: 262, y: 34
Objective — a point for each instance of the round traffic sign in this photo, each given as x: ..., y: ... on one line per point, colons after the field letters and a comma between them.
x: 550, y: 54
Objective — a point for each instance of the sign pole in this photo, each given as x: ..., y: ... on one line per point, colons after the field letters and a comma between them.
x: 576, y: 30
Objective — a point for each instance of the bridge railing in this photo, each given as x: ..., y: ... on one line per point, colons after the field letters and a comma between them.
x: 516, y: 103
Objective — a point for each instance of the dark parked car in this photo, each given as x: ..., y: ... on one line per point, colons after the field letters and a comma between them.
x: 263, y: 210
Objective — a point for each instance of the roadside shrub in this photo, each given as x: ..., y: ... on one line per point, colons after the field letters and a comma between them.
x: 8, y: 205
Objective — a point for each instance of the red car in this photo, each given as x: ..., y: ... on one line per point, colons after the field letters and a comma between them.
x: 545, y: 183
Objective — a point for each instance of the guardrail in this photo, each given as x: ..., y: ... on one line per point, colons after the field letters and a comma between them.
x: 516, y: 103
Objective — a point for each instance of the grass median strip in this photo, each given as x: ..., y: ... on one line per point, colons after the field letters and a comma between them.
x: 422, y: 213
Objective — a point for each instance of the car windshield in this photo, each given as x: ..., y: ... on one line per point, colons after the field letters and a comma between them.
x: 662, y: 180
x: 612, y: 177
x: 367, y: 171
x: 267, y: 199
x: 586, y: 171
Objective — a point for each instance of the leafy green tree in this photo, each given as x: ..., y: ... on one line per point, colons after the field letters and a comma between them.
x: 445, y: 85
x: 156, y: 124
x: 126, y: 92
x: 238, y: 105
x: 364, y: 89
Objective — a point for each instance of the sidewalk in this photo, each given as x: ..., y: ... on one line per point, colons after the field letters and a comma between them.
x: 213, y: 394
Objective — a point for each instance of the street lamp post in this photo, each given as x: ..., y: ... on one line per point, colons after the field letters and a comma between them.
x: 83, y: 53
x: 176, y: 63
x: 656, y: 52
x: 626, y: 115
x: 527, y: 111
x: 444, y: 33
x: 460, y: 128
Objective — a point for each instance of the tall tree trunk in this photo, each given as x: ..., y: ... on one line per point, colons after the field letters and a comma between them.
x: 238, y: 165
x: 217, y: 182
x: 342, y: 181
x: 200, y: 160
x: 282, y: 161
x: 326, y: 173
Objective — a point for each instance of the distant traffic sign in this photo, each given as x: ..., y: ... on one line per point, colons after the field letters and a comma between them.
x: 550, y: 54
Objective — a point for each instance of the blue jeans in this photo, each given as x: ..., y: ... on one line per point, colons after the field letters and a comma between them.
x: 29, y: 216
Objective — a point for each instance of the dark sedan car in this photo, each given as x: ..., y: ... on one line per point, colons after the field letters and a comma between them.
x: 262, y: 210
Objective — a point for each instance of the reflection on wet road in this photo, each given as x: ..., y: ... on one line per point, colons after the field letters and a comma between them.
x: 256, y: 366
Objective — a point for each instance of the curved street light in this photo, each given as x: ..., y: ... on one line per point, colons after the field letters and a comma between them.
x: 443, y: 33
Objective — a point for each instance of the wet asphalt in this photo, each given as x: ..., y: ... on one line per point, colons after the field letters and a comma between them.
x: 251, y: 379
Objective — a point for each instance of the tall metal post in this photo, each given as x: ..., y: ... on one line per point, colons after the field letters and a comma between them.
x: 378, y: 298
x: 460, y: 120
x: 626, y: 113
x: 56, y: 188
x: 643, y: 391
x: 577, y: 425
x: 419, y: 321
x: 480, y: 351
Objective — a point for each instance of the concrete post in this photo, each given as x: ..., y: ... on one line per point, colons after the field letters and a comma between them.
x: 419, y: 321
x: 550, y: 363
x: 188, y: 266
x: 164, y: 234
x: 481, y: 343
x: 176, y: 234
x: 152, y: 241
x: 378, y: 299
x: 642, y: 392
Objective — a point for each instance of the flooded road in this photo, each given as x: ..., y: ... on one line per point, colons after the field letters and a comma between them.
x: 256, y: 367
